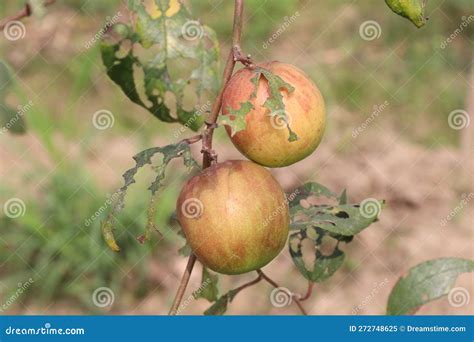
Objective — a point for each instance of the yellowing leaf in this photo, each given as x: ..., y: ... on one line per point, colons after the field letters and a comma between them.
x: 413, y: 10
x: 169, y: 152
x: 152, y: 9
x: 153, y: 47
x: 174, y: 8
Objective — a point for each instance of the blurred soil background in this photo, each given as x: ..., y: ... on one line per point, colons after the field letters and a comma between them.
x: 388, y: 136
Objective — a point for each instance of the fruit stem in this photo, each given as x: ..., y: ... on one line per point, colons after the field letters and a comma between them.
x: 244, y: 286
x: 309, y: 291
x: 209, y: 156
x: 275, y: 285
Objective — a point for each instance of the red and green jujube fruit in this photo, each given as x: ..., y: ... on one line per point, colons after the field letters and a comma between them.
x: 235, y: 216
x: 265, y: 139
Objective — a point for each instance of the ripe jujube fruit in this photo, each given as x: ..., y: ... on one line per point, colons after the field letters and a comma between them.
x: 265, y: 138
x: 235, y: 216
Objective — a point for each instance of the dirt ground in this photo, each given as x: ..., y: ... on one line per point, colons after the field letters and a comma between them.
x: 421, y: 186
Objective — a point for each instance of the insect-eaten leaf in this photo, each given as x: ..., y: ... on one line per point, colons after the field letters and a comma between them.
x: 425, y: 282
x: 145, y: 58
x: 274, y: 103
x: 235, y: 118
x: 324, y: 264
x: 325, y: 226
x: 209, y: 286
x: 343, y: 219
x: 220, y: 306
x: 413, y: 10
x: 169, y: 152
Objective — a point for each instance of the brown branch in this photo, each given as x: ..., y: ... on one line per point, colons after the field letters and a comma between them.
x: 23, y: 13
x: 275, y: 285
x: 245, y: 60
x: 182, y: 285
x: 209, y: 156
x: 244, y: 286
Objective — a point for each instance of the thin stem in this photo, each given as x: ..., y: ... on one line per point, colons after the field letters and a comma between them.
x: 309, y: 291
x: 192, y: 140
x: 300, y: 306
x: 182, y: 285
x: 209, y: 156
x: 250, y: 283
x: 23, y: 13
x: 275, y: 285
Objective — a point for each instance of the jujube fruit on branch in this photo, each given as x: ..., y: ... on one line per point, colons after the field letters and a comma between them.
x: 235, y: 216
x: 265, y: 139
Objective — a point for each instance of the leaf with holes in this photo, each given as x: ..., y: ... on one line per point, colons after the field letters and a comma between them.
x: 311, y: 189
x: 343, y: 219
x: 236, y: 118
x: 274, y: 102
x: 413, y: 10
x: 325, y: 264
x: 169, y: 152
x: 425, y: 282
x: 209, y: 286
x: 346, y: 219
x: 313, y: 219
x: 143, y: 58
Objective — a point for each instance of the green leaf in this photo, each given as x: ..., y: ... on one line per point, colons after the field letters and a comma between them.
x: 347, y: 219
x: 169, y: 152
x: 312, y: 219
x: 10, y: 119
x: 311, y: 189
x: 185, y: 250
x: 342, y: 219
x: 425, y: 282
x: 274, y: 103
x: 208, y: 289
x: 236, y: 118
x: 220, y: 306
x: 343, y: 197
x: 324, y: 265
x: 413, y: 10
x: 151, y: 47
